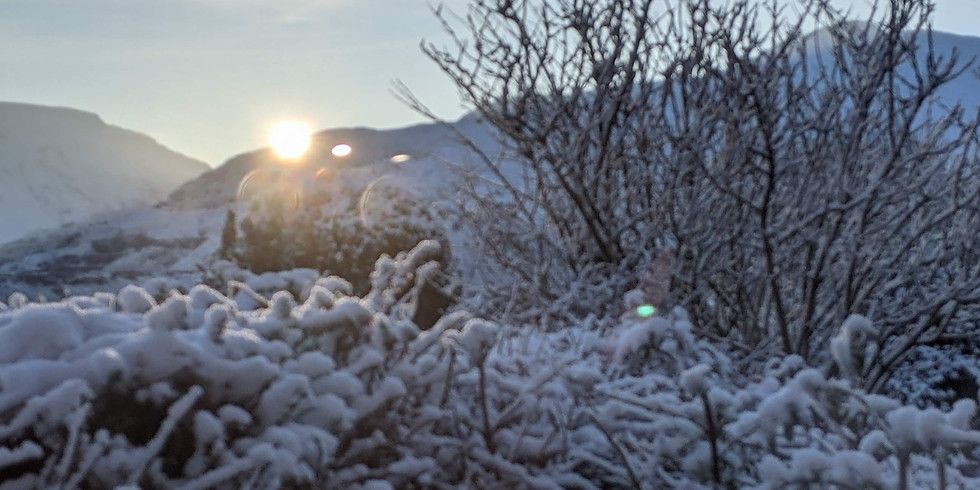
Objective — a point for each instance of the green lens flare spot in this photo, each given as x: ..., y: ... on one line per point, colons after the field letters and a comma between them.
x: 645, y: 311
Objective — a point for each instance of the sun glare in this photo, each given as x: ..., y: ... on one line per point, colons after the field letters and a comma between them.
x: 290, y: 139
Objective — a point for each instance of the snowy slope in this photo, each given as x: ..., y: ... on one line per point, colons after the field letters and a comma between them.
x: 60, y: 165
x: 175, y: 236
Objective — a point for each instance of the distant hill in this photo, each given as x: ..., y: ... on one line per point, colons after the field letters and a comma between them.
x: 426, y: 148
x: 60, y: 165
x: 171, y: 238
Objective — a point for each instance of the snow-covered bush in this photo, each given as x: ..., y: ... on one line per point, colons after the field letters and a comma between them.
x: 799, y: 166
x: 204, y: 390
x: 309, y: 386
x: 792, y: 426
x: 939, y: 374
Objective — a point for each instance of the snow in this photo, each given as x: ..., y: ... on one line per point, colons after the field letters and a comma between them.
x: 134, y: 299
x: 853, y: 348
x: 694, y: 379
x: 912, y: 429
x: 478, y: 337
x: 26, y: 451
x: 171, y: 315
x: 40, y: 333
x: 17, y: 300
x: 61, y: 165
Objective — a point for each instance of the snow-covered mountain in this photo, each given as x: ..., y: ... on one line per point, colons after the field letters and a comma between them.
x: 418, y: 155
x: 61, y: 165
x: 175, y: 236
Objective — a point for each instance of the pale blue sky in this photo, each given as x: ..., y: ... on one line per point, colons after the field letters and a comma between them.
x: 206, y: 77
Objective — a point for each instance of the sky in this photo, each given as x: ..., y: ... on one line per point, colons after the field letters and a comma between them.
x: 209, y: 77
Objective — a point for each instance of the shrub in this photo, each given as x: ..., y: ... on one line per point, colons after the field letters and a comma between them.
x: 318, y: 388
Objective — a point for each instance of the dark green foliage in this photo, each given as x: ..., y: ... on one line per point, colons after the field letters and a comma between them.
x: 433, y: 302
x: 229, y: 235
x: 347, y: 243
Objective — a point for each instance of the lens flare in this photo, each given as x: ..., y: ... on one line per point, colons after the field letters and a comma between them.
x: 341, y: 150
x: 271, y: 184
x: 256, y: 182
x: 401, y: 158
x: 645, y: 311
x: 324, y: 174
x: 290, y: 140
x: 374, y: 206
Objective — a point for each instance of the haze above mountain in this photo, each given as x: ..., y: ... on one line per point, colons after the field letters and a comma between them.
x: 59, y: 165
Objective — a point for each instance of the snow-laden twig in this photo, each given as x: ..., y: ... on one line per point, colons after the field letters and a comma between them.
x: 177, y: 411
x: 26, y: 451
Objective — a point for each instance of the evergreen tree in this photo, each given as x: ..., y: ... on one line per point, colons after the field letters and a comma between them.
x: 250, y: 242
x: 275, y: 238
x: 264, y: 240
x: 229, y: 236
x: 307, y: 240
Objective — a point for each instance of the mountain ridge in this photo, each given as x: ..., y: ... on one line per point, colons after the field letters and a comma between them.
x: 59, y: 165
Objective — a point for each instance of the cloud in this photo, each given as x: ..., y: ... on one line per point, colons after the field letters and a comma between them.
x: 279, y: 10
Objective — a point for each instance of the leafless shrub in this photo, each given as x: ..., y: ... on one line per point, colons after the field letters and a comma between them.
x: 795, y: 163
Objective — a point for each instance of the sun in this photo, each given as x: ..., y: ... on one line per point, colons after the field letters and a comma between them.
x: 290, y: 140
